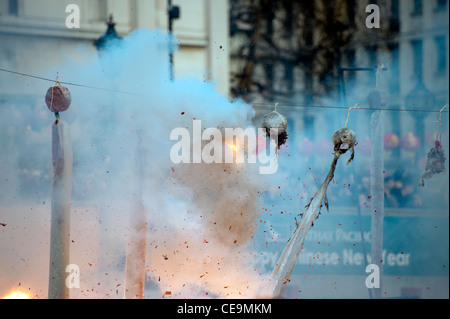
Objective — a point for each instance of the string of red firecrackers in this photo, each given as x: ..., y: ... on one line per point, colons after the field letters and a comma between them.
x: 436, y: 156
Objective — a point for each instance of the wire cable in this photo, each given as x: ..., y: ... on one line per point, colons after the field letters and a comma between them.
x: 66, y: 83
x: 346, y: 108
x: 255, y: 104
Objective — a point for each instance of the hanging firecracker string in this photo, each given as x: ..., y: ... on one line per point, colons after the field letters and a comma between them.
x: 438, y: 134
x: 277, y: 122
x: 349, y: 110
x: 345, y: 137
x: 51, y: 102
x: 436, y: 157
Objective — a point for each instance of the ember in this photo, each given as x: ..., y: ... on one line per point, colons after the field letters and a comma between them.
x: 17, y: 295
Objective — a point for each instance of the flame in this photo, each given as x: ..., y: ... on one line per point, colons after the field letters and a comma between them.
x: 233, y: 146
x: 17, y: 295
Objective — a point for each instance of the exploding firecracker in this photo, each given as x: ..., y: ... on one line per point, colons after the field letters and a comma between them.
x: 345, y: 138
x: 275, y: 120
x: 435, y: 163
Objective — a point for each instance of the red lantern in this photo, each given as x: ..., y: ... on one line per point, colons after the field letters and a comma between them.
x: 410, y: 142
x: 430, y: 138
x: 306, y: 147
x: 364, y: 146
x: 391, y: 141
x: 58, y: 98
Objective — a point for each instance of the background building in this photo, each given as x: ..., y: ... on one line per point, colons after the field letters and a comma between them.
x: 292, y: 52
x: 33, y: 34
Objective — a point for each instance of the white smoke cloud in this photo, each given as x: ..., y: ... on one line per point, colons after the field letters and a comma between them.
x: 201, y: 217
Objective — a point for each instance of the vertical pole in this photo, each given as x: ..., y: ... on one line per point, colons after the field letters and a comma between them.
x: 136, y: 248
x: 377, y: 178
x: 169, y: 13
x: 62, y: 158
x: 376, y: 172
x: 377, y: 192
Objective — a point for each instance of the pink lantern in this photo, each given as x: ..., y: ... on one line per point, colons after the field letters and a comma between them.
x: 260, y: 144
x: 391, y: 141
x: 306, y: 147
x: 364, y: 146
x: 410, y: 142
x: 324, y: 147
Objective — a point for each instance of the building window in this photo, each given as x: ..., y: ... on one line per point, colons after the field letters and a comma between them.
x: 289, y: 76
x: 441, y: 49
x: 269, y: 77
x: 351, y: 12
x: 417, y: 7
x: 394, y: 80
x: 372, y: 51
x: 13, y: 7
x: 289, y: 20
x: 395, y: 16
x: 441, y: 5
x: 350, y: 58
x: 372, y: 54
x: 417, y: 57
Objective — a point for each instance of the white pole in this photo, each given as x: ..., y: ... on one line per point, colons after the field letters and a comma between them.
x: 62, y: 158
x: 377, y: 99
x: 377, y: 192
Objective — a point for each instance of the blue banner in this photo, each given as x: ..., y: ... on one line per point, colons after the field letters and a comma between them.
x: 338, y: 244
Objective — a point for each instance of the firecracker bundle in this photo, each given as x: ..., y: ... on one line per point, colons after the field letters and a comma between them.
x: 435, y: 158
x: 276, y: 122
